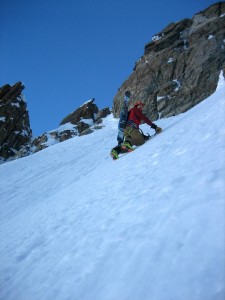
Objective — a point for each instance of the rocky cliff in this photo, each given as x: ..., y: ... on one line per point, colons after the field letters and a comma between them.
x: 180, y: 66
x: 15, y: 130
x: 84, y: 120
x: 15, y: 133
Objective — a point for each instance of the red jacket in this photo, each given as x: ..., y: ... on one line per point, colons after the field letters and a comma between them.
x: 136, y: 116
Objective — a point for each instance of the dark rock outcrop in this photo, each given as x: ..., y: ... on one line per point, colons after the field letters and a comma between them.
x: 180, y: 66
x: 86, y: 111
x: 51, y: 138
x: 103, y: 113
x: 86, y: 117
x: 82, y: 121
x: 15, y: 132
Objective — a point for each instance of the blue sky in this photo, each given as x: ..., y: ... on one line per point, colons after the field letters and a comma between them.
x: 66, y: 52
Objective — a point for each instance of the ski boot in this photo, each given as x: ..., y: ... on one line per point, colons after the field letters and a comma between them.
x: 127, y: 147
x: 114, y: 154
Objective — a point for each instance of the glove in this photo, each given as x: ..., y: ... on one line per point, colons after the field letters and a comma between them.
x: 158, y: 129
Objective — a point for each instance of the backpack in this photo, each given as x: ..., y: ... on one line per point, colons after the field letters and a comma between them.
x: 123, y: 117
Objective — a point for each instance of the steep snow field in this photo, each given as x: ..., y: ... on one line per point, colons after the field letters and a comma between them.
x: 76, y: 225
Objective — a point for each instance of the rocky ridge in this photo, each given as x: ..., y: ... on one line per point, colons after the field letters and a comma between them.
x: 180, y: 66
x: 82, y: 121
x: 16, y: 135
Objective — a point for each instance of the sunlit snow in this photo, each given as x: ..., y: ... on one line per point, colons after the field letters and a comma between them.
x: 76, y: 225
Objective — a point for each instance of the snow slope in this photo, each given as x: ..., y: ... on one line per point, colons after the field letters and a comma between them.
x: 76, y: 225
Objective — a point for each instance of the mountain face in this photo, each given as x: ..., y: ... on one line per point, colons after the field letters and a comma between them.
x: 15, y: 130
x: 180, y: 66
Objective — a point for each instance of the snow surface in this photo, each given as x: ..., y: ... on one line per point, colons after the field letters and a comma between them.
x: 2, y: 119
x: 150, y: 226
x: 15, y: 104
x: 170, y: 60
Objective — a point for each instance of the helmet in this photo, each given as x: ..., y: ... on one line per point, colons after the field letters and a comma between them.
x: 138, y: 103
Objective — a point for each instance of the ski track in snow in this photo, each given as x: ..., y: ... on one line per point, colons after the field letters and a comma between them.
x: 77, y: 225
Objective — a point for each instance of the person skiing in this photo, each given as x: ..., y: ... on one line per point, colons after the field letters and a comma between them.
x: 132, y: 133
x: 129, y: 133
